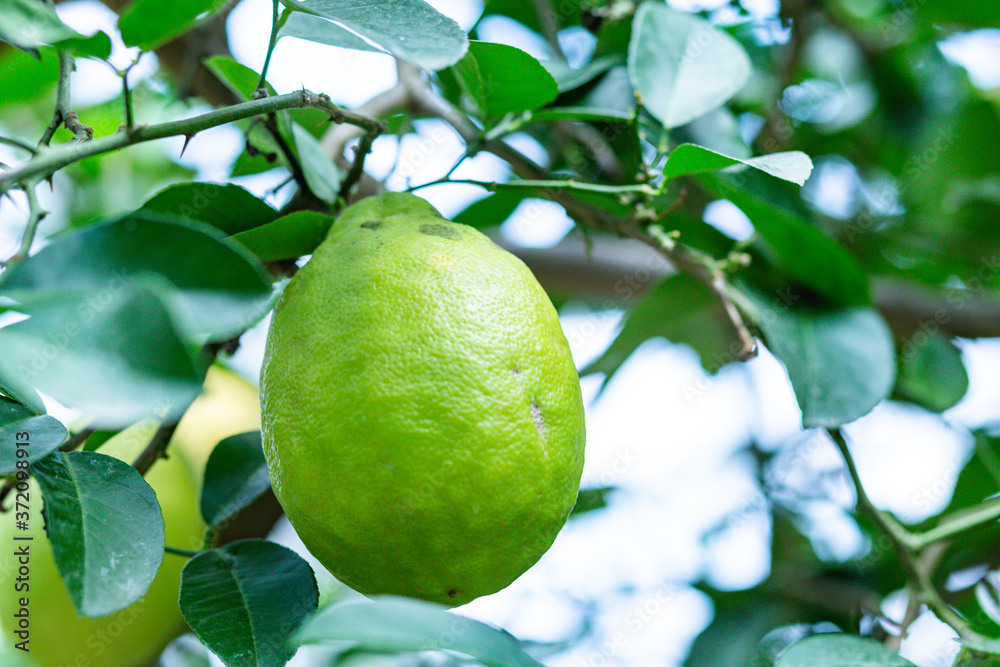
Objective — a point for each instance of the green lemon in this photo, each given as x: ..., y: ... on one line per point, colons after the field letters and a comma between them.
x: 421, y: 413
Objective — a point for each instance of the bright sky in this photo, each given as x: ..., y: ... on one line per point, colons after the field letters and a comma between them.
x: 662, y: 431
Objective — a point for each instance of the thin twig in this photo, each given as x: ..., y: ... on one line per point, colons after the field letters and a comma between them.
x: 156, y: 448
x: 919, y: 573
x: 46, y: 163
x: 272, y: 42
x: 75, y: 440
x: 361, y: 151
x: 35, y: 215
x: 549, y: 21
x: 66, y: 66
x: 127, y: 98
x: 570, y: 185
x: 186, y: 553
x: 17, y: 143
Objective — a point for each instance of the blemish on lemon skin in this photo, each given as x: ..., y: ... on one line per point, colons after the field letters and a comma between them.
x: 371, y: 224
x: 536, y: 416
x: 453, y: 593
x: 444, y: 231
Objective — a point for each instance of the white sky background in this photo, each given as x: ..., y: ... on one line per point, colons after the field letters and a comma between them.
x: 662, y: 431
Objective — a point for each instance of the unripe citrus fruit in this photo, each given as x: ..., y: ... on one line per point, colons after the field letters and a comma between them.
x: 133, y: 636
x: 421, y: 413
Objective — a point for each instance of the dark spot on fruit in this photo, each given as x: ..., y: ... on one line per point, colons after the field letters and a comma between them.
x: 444, y: 231
x: 516, y: 372
x: 371, y: 224
x: 453, y: 593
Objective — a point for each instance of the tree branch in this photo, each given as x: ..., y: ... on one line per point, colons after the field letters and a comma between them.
x: 45, y: 164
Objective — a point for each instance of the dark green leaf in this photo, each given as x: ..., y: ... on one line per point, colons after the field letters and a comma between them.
x: 838, y: 650
x: 320, y: 172
x: 931, y: 372
x: 319, y: 30
x: 501, y: 79
x: 778, y: 640
x: 794, y: 166
x: 841, y: 363
x: 389, y: 624
x: 409, y: 29
x: 106, y: 528
x: 150, y: 23
x: 245, y: 599
x: 492, y: 210
x: 681, y: 65
x: 682, y: 310
x: 288, y: 237
x: 227, y: 207
x: 24, y: 431
x: 235, y: 476
x: 113, y: 354
x: 800, y: 250
x: 589, y: 500
x: 732, y: 637
x: 569, y: 78
x: 215, y: 287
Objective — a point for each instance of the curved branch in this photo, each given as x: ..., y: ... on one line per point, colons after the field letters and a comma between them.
x: 45, y: 164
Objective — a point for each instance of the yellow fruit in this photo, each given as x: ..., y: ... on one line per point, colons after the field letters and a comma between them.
x: 133, y: 636
x: 422, y: 417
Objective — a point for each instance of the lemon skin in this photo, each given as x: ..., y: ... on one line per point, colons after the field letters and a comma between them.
x: 421, y: 413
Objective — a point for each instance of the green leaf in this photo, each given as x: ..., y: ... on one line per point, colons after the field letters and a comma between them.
x: 318, y: 29
x: 26, y: 435
x: 411, y: 30
x: 931, y: 372
x: 501, y: 79
x: 570, y: 78
x: 150, y: 23
x: 235, y: 476
x: 838, y: 650
x: 27, y: 79
x: 288, y: 237
x: 987, y: 646
x: 588, y: 500
x: 238, y: 77
x: 682, y: 310
x: 214, y: 286
x: 681, y: 65
x: 841, y: 363
x: 388, y: 624
x: 492, y: 210
x: 794, y: 166
x: 113, y: 354
x: 229, y: 208
x: 106, y: 528
x: 245, y: 599
x: 320, y: 171
x: 28, y: 24
x: 800, y: 250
